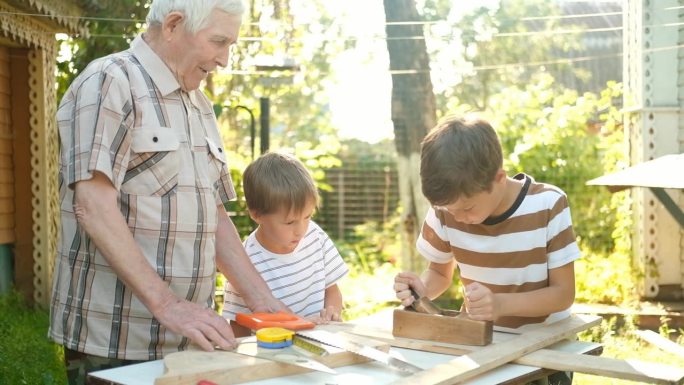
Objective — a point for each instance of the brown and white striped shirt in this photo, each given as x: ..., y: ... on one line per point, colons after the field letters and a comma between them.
x: 510, y: 253
x: 127, y: 117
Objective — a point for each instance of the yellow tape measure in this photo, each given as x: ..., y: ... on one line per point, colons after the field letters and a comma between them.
x: 274, y: 338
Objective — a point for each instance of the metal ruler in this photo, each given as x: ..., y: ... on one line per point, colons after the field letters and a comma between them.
x: 349, y: 345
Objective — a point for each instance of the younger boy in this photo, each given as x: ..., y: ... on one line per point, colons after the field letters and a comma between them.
x: 511, y: 238
x: 293, y: 254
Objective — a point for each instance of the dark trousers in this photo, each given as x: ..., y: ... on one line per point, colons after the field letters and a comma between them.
x: 558, y: 378
x: 78, y: 365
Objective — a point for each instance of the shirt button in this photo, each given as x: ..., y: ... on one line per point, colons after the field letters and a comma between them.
x: 220, y: 149
x: 155, y: 139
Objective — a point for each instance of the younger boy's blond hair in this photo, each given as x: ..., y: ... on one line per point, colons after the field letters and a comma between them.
x: 459, y: 158
x: 277, y: 181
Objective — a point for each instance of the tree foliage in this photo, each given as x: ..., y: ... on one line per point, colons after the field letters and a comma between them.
x: 273, y: 33
x: 112, y: 25
x: 503, y: 46
x: 562, y: 138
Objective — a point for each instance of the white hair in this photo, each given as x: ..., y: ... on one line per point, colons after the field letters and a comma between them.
x: 196, y: 11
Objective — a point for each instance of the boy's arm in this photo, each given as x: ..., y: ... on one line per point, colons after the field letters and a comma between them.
x: 332, y: 306
x: 434, y: 281
x: 482, y: 304
x: 438, y: 277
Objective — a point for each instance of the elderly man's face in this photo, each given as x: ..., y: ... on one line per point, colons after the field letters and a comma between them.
x: 194, y: 56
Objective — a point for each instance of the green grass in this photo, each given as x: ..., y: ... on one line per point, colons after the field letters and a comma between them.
x: 27, y: 356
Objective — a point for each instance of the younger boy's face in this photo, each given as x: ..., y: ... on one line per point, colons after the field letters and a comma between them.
x: 281, y: 232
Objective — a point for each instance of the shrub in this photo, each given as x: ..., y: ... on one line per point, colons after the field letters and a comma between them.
x: 565, y: 139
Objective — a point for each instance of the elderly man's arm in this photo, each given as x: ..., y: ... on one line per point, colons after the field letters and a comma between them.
x: 98, y: 214
x: 233, y: 262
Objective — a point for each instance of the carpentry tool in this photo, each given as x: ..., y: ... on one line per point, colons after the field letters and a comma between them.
x: 352, y: 346
x: 276, y: 344
x: 256, y: 321
x: 423, y: 304
x: 424, y: 320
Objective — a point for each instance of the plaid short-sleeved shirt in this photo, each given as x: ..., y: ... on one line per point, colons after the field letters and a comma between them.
x: 127, y: 117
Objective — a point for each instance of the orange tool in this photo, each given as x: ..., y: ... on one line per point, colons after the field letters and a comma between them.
x: 256, y: 321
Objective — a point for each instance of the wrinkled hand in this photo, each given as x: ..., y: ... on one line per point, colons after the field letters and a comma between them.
x: 198, y: 323
x: 403, y: 282
x: 480, y: 302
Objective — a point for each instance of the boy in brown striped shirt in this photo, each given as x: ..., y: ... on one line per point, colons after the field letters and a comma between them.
x: 510, y: 237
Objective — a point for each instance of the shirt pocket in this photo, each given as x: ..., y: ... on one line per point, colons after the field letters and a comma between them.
x: 217, y: 161
x: 155, y: 162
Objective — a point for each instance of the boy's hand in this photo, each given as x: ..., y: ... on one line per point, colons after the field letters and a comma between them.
x: 480, y: 302
x: 316, y: 318
x: 403, y: 282
x: 331, y: 313
x: 269, y: 305
x: 326, y: 315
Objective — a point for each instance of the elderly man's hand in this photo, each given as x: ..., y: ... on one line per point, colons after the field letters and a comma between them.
x: 198, y: 323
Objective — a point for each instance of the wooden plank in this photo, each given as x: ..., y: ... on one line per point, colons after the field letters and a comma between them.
x: 492, y: 356
x: 6, y: 205
x: 633, y: 370
x: 223, y: 368
x: 450, y: 328
x: 661, y: 342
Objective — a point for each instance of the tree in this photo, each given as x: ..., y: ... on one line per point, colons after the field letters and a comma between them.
x: 112, y: 25
x: 413, y: 115
x: 500, y: 43
x: 274, y: 31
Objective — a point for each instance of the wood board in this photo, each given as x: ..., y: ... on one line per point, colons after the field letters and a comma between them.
x: 224, y: 368
x: 633, y: 370
x: 450, y: 327
x: 491, y: 356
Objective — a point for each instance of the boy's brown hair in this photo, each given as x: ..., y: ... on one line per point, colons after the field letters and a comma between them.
x: 276, y: 181
x: 459, y: 158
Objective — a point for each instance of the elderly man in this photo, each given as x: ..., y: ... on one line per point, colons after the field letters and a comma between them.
x: 143, y: 182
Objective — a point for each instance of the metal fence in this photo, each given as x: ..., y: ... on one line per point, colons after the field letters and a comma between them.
x: 361, y: 192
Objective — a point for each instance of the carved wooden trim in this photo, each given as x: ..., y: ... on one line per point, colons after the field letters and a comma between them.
x: 44, y: 168
x: 64, y: 13
x: 25, y: 29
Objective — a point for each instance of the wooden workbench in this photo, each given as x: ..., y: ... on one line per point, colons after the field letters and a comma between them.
x: 362, y: 374
x: 367, y: 373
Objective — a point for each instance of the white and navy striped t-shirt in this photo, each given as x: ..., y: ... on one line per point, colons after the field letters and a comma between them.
x: 512, y: 252
x: 298, y: 279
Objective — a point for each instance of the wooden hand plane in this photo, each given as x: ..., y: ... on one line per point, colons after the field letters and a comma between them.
x: 424, y: 320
